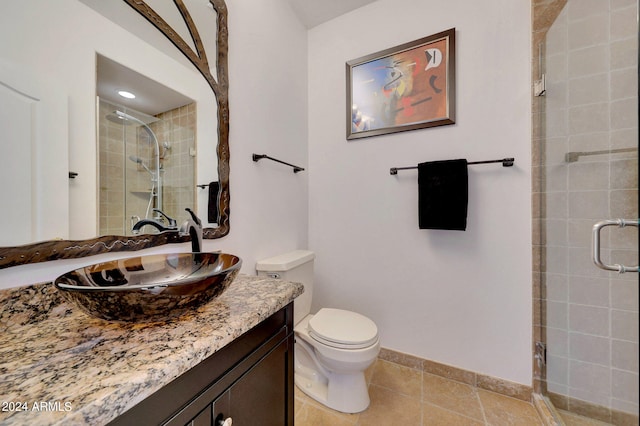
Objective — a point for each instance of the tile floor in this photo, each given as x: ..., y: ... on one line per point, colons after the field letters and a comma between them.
x: 407, y: 397
x: 571, y: 419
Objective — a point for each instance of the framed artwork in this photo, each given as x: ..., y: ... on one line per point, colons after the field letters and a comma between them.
x: 407, y: 87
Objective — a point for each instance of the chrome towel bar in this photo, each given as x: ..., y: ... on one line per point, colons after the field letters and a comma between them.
x: 572, y: 157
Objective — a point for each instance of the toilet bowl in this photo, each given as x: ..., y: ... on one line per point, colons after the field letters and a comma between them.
x: 333, y: 346
x: 331, y: 356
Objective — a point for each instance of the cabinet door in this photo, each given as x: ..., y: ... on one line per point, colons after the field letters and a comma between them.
x: 263, y: 396
x: 221, y: 409
x: 202, y: 419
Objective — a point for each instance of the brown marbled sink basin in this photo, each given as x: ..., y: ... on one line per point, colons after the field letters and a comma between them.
x: 149, y: 288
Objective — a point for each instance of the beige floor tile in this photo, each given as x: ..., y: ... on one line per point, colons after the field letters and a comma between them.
x: 500, y: 410
x: 304, y: 398
x: 404, y: 380
x: 571, y: 419
x: 391, y: 408
x: 451, y: 395
x: 297, y: 405
x: 433, y: 415
x: 311, y: 415
x: 312, y: 411
x: 404, y: 396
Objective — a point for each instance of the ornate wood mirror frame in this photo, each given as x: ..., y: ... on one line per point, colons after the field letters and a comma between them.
x: 60, y: 249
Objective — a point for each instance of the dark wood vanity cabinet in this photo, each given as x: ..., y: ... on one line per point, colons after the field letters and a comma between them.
x: 250, y: 381
x: 257, y: 398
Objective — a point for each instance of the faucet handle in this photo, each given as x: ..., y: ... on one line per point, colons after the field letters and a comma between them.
x: 195, y: 218
x: 172, y: 222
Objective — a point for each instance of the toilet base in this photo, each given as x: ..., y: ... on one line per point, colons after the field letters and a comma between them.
x: 346, y: 393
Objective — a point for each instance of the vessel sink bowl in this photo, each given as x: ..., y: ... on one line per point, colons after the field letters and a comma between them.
x: 149, y: 288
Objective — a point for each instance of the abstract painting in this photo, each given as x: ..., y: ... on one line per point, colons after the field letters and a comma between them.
x: 407, y: 87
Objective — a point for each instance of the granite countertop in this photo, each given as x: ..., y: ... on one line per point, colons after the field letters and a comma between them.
x: 60, y: 366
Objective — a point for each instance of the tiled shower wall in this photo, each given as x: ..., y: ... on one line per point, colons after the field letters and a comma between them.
x: 122, y: 198
x: 177, y: 127
x: 588, y: 317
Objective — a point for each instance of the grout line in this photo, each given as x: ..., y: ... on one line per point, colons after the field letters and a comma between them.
x: 484, y: 414
x: 422, y: 402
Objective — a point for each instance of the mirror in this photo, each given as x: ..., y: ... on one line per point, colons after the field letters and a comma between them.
x: 186, y: 29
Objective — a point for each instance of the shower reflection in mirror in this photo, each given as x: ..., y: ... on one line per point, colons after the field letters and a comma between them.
x: 146, y: 164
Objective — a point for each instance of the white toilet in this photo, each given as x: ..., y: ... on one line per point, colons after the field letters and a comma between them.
x: 333, y: 347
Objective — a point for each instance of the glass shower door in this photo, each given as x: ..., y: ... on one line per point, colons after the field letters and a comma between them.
x: 589, y: 173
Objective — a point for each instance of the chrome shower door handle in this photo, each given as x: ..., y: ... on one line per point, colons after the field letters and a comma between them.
x: 621, y: 223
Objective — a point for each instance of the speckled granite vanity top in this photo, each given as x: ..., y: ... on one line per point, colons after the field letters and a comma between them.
x: 61, y: 366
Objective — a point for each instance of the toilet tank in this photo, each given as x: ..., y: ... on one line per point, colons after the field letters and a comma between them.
x: 296, y: 266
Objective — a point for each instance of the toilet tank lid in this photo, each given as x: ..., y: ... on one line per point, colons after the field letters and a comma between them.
x: 285, y: 262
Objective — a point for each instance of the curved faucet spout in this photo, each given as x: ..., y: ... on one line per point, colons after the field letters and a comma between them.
x: 193, y: 228
x: 172, y: 226
x: 151, y: 222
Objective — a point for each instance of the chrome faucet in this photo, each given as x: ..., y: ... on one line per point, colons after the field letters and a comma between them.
x: 172, y: 226
x: 193, y: 228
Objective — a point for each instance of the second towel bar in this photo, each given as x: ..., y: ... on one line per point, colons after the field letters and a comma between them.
x: 257, y: 157
x: 506, y: 162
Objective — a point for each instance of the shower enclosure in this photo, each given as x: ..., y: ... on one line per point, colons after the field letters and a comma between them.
x: 585, y: 156
x: 145, y: 163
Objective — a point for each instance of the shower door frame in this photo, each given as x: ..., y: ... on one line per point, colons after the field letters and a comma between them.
x: 544, y: 14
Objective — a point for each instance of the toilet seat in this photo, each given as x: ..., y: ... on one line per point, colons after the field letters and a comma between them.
x: 342, y: 329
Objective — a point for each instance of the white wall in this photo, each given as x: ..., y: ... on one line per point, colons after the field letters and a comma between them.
x: 268, y: 103
x: 268, y: 114
x: 460, y: 298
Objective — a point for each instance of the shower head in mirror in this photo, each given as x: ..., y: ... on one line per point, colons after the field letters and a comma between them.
x: 122, y: 117
x: 139, y: 160
x: 128, y: 117
x: 116, y: 117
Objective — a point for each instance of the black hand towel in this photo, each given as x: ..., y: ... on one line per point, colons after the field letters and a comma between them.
x: 212, y: 211
x: 443, y: 194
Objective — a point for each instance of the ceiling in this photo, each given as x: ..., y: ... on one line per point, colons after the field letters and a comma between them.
x: 315, y: 12
x: 153, y: 97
